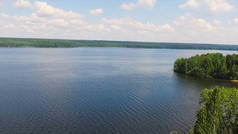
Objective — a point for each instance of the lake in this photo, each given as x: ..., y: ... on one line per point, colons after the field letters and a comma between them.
x: 97, y: 91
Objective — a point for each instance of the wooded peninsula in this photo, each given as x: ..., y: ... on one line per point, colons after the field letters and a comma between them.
x: 213, y: 65
x: 57, y: 43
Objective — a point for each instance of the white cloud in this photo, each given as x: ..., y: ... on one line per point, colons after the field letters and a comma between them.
x: 217, y: 22
x: 188, y: 22
x: 214, y: 6
x: 3, y: 15
x: 43, y: 9
x: 219, y: 6
x: 204, y: 24
x: 236, y: 20
x: 10, y: 26
x: 190, y: 4
x: 44, y: 21
x: 147, y: 4
x: 189, y: 28
x: 22, y: 4
x: 168, y: 28
x: 130, y: 25
x: 96, y: 11
x: 128, y: 6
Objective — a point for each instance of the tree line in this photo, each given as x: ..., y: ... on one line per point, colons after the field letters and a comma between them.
x: 63, y: 43
x: 212, y: 65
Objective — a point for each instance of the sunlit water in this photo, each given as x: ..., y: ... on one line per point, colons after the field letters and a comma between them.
x: 97, y: 91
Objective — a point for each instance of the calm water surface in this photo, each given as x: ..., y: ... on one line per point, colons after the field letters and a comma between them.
x: 97, y: 91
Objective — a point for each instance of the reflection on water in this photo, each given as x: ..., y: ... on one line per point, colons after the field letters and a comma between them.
x: 97, y: 91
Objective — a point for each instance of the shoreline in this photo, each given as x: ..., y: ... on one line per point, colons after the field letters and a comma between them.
x: 207, y: 78
x: 117, y: 47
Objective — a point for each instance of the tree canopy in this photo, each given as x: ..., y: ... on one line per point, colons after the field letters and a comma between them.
x: 218, y: 113
x: 213, y: 65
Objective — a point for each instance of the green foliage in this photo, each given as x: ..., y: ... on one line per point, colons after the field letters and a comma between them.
x: 191, y: 132
x: 213, y: 65
x: 21, y: 42
x: 218, y: 113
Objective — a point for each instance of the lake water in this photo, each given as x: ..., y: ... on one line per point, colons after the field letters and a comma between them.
x: 97, y: 91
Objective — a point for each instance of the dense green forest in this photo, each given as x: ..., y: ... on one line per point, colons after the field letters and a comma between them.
x: 21, y: 42
x: 213, y: 65
x: 218, y: 113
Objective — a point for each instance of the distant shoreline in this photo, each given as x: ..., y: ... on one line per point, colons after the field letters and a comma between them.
x: 59, y: 43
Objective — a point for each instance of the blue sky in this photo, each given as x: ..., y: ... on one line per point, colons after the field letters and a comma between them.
x: 198, y: 21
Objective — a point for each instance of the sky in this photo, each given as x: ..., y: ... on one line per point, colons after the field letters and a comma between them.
x: 185, y: 21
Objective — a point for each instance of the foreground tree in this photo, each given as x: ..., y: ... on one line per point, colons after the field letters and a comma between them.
x: 218, y: 113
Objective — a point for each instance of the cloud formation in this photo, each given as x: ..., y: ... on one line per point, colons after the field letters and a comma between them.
x: 45, y: 10
x: 47, y: 21
x: 190, y: 4
x: 22, y: 4
x: 147, y: 4
x: 96, y: 11
x: 236, y: 20
x: 214, y: 6
x: 130, y: 25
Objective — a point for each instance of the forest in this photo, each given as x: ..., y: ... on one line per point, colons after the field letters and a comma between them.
x: 62, y: 43
x: 213, y: 65
x: 218, y: 113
